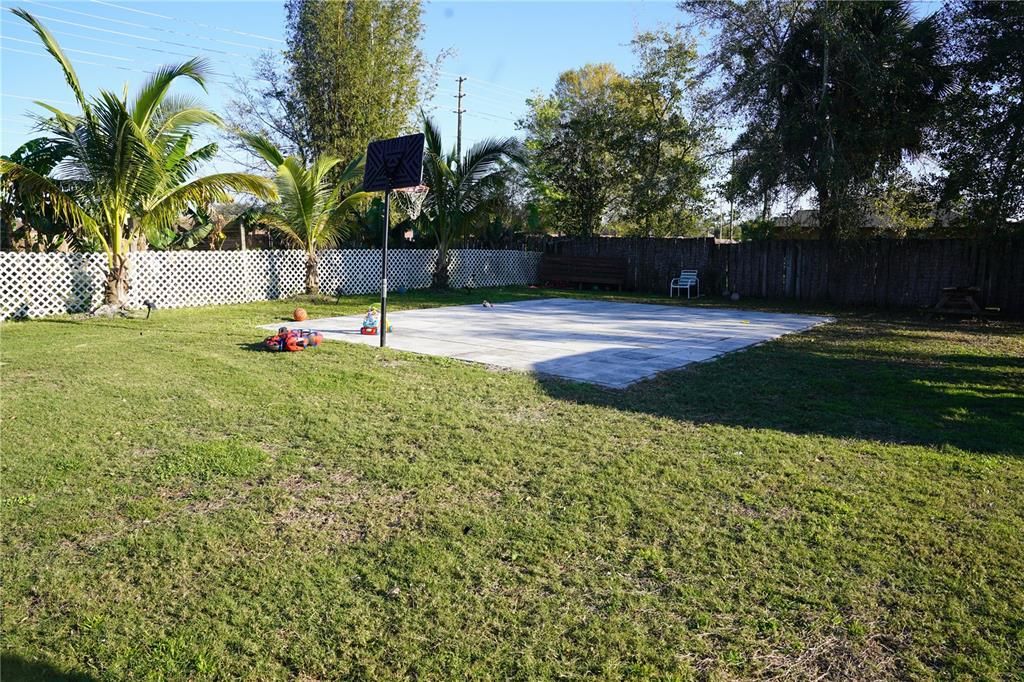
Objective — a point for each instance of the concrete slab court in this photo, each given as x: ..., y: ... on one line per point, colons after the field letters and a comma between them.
x: 602, y: 342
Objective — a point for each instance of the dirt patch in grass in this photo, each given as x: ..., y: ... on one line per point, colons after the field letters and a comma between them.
x: 834, y: 655
x: 343, y: 507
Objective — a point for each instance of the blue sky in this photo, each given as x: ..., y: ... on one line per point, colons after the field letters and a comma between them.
x: 506, y: 49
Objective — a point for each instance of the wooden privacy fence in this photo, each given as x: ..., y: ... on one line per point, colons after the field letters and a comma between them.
x: 883, y: 273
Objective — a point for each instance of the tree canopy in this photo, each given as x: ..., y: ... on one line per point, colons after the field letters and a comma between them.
x: 980, y: 138
x: 353, y: 72
x: 832, y: 95
x: 605, y: 147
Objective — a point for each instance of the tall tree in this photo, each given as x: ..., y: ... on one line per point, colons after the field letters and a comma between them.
x: 659, y: 142
x: 352, y: 73
x: 980, y: 138
x: 569, y: 147
x: 356, y: 66
x: 459, y: 188
x: 126, y: 167
x: 834, y: 94
x: 313, y: 206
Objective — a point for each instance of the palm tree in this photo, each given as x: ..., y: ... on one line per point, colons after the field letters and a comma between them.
x: 459, y: 188
x: 126, y: 168
x: 312, y: 212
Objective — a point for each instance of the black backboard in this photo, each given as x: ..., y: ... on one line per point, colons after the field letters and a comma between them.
x: 394, y: 164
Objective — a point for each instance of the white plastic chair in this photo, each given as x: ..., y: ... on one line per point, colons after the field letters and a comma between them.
x: 685, y: 280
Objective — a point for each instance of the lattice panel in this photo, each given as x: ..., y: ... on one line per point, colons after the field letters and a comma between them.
x: 40, y: 284
x: 480, y: 268
x: 176, y: 279
x: 352, y: 271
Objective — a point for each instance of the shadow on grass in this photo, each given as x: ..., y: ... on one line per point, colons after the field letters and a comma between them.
x: 17, y: 669
x: 841, y: 381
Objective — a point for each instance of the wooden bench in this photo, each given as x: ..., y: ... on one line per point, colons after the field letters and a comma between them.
x: 582, y: 270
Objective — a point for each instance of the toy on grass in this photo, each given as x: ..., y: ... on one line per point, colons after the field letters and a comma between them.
x: 292, y: 340
x: 299, y: 315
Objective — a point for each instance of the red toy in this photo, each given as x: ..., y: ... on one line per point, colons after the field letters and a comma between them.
x: 293, y: 340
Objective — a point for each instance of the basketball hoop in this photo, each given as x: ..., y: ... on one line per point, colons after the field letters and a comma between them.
x: 412, y: 199
x: 392, y: 165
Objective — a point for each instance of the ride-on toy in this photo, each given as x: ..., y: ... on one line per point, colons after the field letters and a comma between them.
x: 369, y: 327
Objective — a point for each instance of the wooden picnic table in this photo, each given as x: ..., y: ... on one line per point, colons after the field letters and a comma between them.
x: 959, y: 301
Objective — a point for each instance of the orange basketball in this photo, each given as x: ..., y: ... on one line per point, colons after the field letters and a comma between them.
x: 300, y: 315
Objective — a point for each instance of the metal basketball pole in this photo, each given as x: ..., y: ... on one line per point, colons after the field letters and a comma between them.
x: 384, y: 271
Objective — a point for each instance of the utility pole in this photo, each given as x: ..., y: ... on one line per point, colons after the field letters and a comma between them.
x: 460, y: 111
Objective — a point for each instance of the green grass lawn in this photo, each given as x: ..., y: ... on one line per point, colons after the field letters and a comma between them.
x: 843, y: 503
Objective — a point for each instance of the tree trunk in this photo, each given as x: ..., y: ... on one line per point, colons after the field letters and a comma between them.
x: 115, y: 290
x: 828, y: 221
x: 441, y: 280
x: 996, y: 218
x: 312, y: 276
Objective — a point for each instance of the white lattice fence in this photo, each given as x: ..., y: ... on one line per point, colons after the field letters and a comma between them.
x: 357, y: 271
x: 40, y: 284
x: 480, y: 268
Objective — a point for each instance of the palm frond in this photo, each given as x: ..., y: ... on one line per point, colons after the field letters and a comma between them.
x: 172, y: 121
x: 152, y: 92
x: 320, y: 167
x: 40, y: 154
x: 433, y: 136
x: 353, y: 171
x: 298, y: 196
x: 280, y: 224
x: 485, y: 157
x: 264, y: 148
x: 53, y: 47
x: 67, y: 122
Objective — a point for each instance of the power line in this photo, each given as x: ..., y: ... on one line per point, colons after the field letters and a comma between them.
x: 107, y: 41
x: 71, y: 49
x: 477, y: 97
x: 117, y: 58
x: 500, y: 97
x: 494, y: 117
x: 159, y: 29
x: 96, y: 28
x: 84, y: 14
x: 108, y: 66
x: 489, y: 84
x: 195, y: 23
x: 32, y: 99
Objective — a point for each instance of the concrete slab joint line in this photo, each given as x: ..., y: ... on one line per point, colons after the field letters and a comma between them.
x: 606, y: 343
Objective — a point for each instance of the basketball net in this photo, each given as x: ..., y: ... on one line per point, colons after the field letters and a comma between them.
x: 411, y: 199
